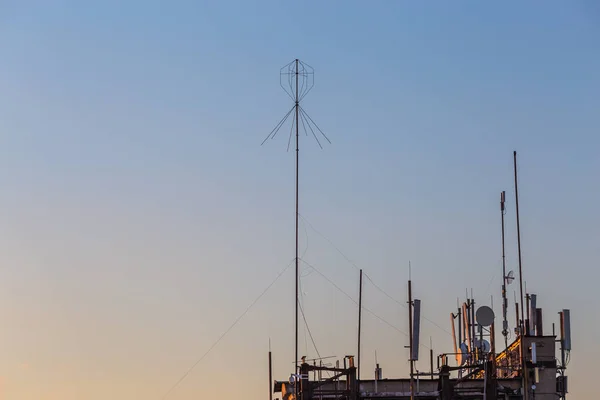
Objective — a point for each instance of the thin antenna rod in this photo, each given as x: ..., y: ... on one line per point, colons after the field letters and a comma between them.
x: 410, y: 336
x: 359, y: 324
x: 431, y: 356
x: 297, y: 175
x: 504, y: 299
x: 270, y: 373
x: 523, y: 366
x: 518, y: 234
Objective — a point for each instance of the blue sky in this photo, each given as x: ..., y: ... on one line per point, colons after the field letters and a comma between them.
x: 141, y: 215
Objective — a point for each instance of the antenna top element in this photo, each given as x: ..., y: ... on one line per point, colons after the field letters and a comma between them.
x: 297, y: 89
x: 297, y: 78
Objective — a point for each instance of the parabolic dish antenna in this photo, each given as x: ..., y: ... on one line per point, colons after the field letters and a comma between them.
x: 485, y: 316
x: 510, y: 277
x: 461, y: 358
x: 483, y: 345
x: 486, y: 346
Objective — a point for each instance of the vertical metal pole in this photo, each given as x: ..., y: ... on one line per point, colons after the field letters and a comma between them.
x: 562, y: 352
x: 467, y: 328
x: 528, y: 319
x: 472, y: 318
x: 518, y: 233
x: 460, y: 329
x: 320, y: 377
x: 320, y: 371
x: 504, y: 299
x: 270, y: 377
x: 410, y: 336
x: 297, y: 175
x: 359, y: 324
x: 485, y: 374
x: 431, y: 361
x: 523, y: 368
x: 517, y: 314
x: 493, y: 340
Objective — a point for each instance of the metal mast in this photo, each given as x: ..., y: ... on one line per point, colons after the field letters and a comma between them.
x: 270, y: 373
x: 296, y: 107
x: 411, y: 339
x: 519, y: 237
x: 297, y: 79
x: 522, y: 329
x: 504, y: 300
x: 359, y: 324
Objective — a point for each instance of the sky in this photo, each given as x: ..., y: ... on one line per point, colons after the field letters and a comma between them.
x: 141, y: 216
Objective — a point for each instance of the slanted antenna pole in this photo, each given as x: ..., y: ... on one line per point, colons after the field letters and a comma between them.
x: 460, y: 328
x: 522, y: 300
x: 522, y: 330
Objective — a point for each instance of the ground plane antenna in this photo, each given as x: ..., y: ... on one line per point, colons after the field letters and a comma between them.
x: 297, y: 80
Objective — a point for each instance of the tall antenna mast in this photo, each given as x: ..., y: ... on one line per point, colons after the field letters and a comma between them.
x: 522, y: 330
x: 519, y: 238
x: 297, y: 79
x: 504, y: 299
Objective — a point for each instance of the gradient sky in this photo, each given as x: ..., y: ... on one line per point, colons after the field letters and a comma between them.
x: 140, y: 215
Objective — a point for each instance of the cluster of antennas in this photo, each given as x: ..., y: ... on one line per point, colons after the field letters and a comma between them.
x: 473, y: 327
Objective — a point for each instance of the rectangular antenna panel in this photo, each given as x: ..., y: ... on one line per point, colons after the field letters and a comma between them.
x: 539, y: 322
x: 565, y: 327
x: 416, y: 329
x: 532, y: 308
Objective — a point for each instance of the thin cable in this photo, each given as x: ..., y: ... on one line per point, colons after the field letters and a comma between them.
x: 310, y: 333
x: 306, y: 236
x: 291, y: 132
x: 308, y: 329
x: 355, y: 302
x: 404, y: 305
x: 494, y: 273
x: 368, y: 277
x: 330, y: 242
x: 226, y: 332
x: 300, y: 301
x: 278, y: 126
x: 314, y: 124
x: 303, y: 119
